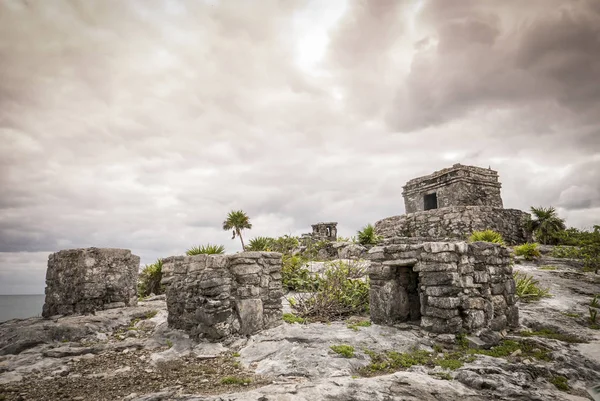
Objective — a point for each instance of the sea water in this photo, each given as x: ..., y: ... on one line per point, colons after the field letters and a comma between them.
x: 20, y: 306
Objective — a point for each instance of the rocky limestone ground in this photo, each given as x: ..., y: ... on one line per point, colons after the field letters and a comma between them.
x: 131, y: 354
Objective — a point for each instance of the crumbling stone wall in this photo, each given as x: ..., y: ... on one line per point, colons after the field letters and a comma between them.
x: 450, y: 286
x: 455, y: 186
x: 457, y: 222
x: 216, y: 296
x: 80, y: 281
x: 324, y: 231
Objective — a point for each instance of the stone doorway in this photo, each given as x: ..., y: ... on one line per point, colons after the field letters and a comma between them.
x: 398, y: 299
x: 408, y: 281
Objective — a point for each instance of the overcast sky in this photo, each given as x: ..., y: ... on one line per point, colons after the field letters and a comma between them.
x: 140, y: 124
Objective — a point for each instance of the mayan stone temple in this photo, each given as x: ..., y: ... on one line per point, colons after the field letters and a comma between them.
x: 426, y: 272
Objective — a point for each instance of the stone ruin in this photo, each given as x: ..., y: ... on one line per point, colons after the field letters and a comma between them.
x: 451, y: 204
x: 216, y: 296
x: 323, y: 232
x: 80, y: 281
x: 455, y: 186
x: 446, y: 287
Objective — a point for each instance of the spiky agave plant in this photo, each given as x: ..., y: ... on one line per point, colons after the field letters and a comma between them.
x: 208, y: 249
x: 487, y: 236
x: 367, y: 235
x: 260, y: 244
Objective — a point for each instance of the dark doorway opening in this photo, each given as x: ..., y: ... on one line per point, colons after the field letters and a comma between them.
x: 431, y: 201
x: 406, y: 300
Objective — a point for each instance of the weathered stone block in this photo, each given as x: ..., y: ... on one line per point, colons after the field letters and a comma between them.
x: 86, y: 280
x: 250, y: 312
x: 444, y: 302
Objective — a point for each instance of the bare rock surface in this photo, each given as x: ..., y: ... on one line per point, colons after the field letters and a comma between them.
x: 131, y: 354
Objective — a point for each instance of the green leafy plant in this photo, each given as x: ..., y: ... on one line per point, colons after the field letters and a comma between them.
x: 342, y: 291
x: 546, y: 225
x: 208, y: 249
x: 593, y: 315
x: 528, y: 289
x: 487, y: 236
x: 355, y: 325
x: 295, y: 276
x: 239, y: 381
x: 284, y: 244
x: 595, y: 302
x: 529, y: 251
x: 368, y: 236
x: 260, y: 244
x: 149, y: 279
x: 291, y: 318
x: 169, y: 343
x: 347, y: 351
x: 237, y: 220
x: 560, y: 382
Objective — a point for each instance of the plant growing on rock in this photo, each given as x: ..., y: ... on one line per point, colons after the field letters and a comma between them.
x: 149, y: 279
x: 295, y: 276
x: 237, y: 220
x: 487, y: 236
x: 347, y: 351
x: 342, y: 291
x: 528, y: 289
x: 546, y: 225
x: 367, y: 236
x: 208, y: 249
x: 529, y: 251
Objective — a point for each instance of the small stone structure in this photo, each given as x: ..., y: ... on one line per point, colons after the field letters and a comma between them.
x: 80, y: 281
x: 216, y: 296
x: 455, y: 186
x: 324, y: 231
x: 449, y: 286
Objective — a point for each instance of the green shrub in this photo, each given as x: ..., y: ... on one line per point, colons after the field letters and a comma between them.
x: 487, y: 236
x: 560, y: 382
x: 367, y: 236
x: 528, y: 289
x: 285, y: 244
x: 260, y: 244
x: 546, y: 225
x: 566, y: 252
x: 342, y: 291
x: 291, y: 318
x: 582, y: 244
x: 347, y: 351
x: 149, y: 279
x: 295, y: 276
x: 529, y: 251
x: 235, y: 380
x: 208, y: 249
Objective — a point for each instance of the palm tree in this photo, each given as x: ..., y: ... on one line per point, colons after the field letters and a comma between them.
x: 237, y: 220
x: 546, y: 224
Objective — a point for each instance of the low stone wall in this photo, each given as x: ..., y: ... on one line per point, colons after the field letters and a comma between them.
x: 457, y: 222
x: 215, y: 296
x: 80, y: 281
x: 450, y: 286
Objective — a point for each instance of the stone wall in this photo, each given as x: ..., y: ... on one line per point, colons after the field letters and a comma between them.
x: 80, y: 281
x: 457, y: 222
x: 456, y: 186
x: 450, y: 286
x: 216, y: 296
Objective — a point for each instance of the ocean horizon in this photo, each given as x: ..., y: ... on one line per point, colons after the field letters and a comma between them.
x: 20, y: 306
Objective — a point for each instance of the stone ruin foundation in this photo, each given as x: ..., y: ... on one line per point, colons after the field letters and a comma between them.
x: 80, y: 281
x: 216, y: 296
x: 448, y: 287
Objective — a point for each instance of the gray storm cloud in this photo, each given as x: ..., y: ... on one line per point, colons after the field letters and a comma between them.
x: 140, y: 124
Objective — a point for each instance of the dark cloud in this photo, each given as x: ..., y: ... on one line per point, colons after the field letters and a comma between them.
x: 140, y: 124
